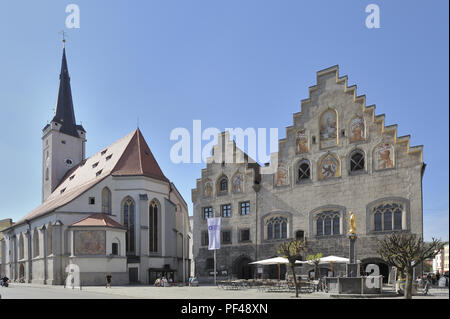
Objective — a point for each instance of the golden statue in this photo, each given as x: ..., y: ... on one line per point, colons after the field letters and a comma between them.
x: 352, y: 230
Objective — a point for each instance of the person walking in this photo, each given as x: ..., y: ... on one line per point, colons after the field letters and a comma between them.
x: 108, y: 280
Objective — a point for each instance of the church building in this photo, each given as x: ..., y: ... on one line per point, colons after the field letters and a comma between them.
x: 337, y: 157
x: 114, y: 212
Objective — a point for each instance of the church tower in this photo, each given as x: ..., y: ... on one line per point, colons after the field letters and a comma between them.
x: 63, y: 141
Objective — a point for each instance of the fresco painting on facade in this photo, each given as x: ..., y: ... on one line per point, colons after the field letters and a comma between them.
x: 208, y: 188
x: 328, y: 129
x: 328, y: 184
x: 237, y: 183
x: 384, y: 156
x: 282, y: 175
x: 301, y: 142
x: 329, y: 167
x: 357, y: 130
x: 90, y: 242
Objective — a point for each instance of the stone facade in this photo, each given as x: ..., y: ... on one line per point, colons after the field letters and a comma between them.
x: 337, y: 157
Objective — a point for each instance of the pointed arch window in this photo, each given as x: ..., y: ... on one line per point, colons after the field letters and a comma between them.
x: 304, y: 171
x: 21, y: 247
x: 36, y: 243
x: 106, y: 201
x: 153, y: 227
x: 128, y: 222
x: 50, y: 240
x: 223, y: 185
x: 357, y: 161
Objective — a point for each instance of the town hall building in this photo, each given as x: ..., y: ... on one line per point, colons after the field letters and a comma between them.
x: 114, y: 212
x: 337, y: 157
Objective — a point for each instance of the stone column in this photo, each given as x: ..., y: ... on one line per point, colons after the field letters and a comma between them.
x: 352, y: 266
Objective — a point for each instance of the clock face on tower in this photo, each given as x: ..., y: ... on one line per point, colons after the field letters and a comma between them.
x: 68, y: 162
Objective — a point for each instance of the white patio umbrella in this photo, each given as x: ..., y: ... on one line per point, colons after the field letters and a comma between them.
x: 329, y: 260
x: 272, y: 261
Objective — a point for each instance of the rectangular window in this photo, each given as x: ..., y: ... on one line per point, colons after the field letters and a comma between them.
x: 226, y: 237
x: 205, y: 238
x: 225, y: 210
x: 245, y: 208
x: 207, y: 212
x: 244, y: 235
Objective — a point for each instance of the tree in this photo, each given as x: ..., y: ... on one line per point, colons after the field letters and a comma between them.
x: 292, y: 250
x: 406, y: 251
x: 315, y: 259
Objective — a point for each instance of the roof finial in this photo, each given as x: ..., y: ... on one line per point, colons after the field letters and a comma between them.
x: 137, y: 122
x: 64, y: 34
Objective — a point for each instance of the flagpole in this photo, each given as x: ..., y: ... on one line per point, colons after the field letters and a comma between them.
x: 215, y: 267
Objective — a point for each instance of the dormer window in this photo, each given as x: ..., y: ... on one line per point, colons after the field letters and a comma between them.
x: 94, y: 165
x: 71, y: 177
x: 108, y: 157
x: 63, y: 142
x: 103, y: 152
x: 62, y: 190
x: 98, y: 173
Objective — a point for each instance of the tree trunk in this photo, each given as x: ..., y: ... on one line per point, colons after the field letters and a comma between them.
x: 316, y: 272
x: 295, y: 280
x: 408, y: 284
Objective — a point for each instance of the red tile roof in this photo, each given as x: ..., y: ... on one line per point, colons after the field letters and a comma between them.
x: 131, y: 156
x: 98, y: 220
x: 137, y: 159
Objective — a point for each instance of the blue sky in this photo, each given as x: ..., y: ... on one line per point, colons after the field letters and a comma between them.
x: 169, y: 62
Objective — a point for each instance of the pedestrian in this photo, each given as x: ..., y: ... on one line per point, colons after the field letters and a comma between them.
x: 108, y: 280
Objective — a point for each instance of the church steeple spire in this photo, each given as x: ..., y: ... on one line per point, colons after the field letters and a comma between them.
x: 63, y: 141
x: 64, y: 114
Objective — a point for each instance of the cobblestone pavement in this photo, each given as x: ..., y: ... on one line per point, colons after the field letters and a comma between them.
x: 26, y: 291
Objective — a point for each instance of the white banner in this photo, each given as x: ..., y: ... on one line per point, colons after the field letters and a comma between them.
x: 214, y: 233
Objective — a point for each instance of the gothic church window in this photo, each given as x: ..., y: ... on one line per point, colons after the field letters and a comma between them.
x: 50, y: 240
x: 128, y: 213
x: 36, y: 243
x: 153, y: 227
x: 21, y: 247
x: 106, y: 201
